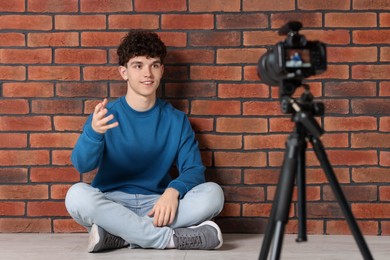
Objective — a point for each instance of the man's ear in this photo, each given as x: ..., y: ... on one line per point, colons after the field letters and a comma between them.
x: 123, y: 72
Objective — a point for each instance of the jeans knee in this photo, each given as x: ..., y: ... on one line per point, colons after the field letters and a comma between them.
x: 215, y: 197
x: 78, y: 198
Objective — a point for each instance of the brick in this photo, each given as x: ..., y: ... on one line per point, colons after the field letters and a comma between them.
x: 160, y: 5
x: 187, y: 21
x: 210, y: 107
x: 384, y: 193
x: 231, y: 56
x: 14, y: 106
x: 268, y: 141
x: 82, y: 89
x: 353, y: 193
x: 350, y: 89
x: 189, y: 56
x: 12, y: 73
x: 65, y: 73
x: 384, y: 158
x: 336, y: 140
x: 239, y: 159
x: 212, y: 141
x: 58, y: 191
x: 101, y: 73
x: 375, y: 106
x: 241, y: 125
x: 59, y: 174
x: 350, y: 123
x: 69, y: 123
x: 370, y: 210
x: 16, y: 56
x: 49, y: 209
x: 214, y: 6
x: 323, y: 210
x: 18, y: 157
x: 53, y: 39
x: 370, y: 36
x: 118, y: 89
x: 13, y: 175
x: 176, y: 73
x: 80, y: 56
x: 214, y: 38
x: 280, y: 125
x: 52, y: 6
x: 370, y: 140
x: 190, y: 89
x: 350, y: 20
x: 317, y: 176
x: 256, y: 210
x: 12, y: 208
x: 20, y: 192
x: 257, y: 38
x: 334, y: 72
x: 56, y: 106
x: 61, y: 157
x: 385, y: 54
x: 331, y: 37
x: 336, y: 106
x: 324, y: 5
x: 202, y: 124
x: 370, y: 5
x: 67, y: 226
x: 106, y: 6
x: 341, y: 227
x: 26, y: 22
x: 261, y: 176
x: 80, y: 22
x: 207, y: 158
x: 385, y: 227
x: 243, y: 91
x: 25, y: 225
x: 27, y: 123
x: 174, y: 39
x: 384, y: 124
x: 244, y: 194
x: 224, y: 176
x: 280, y: 19
x: 384, y: 20
x: 241, y: 21
x: 262, y: 108
x: 215, y: 73
x: 264, y: 5
x: 14, y: 6
x: 133, y: 21
x: 13, y: 140
x: 370, y: 175
x: 53, y: 140
x: 371, y: 72
x: 12, y: 39
x: 353, y: 157
x: 231, y: 210
x: 101, y: 39
x: 28, y: 89
x: 352, y: 54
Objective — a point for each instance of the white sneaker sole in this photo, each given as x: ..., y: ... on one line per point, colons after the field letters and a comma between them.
x: 94, y: 238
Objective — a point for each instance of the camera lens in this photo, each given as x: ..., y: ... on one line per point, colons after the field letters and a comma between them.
x: 266, y: 70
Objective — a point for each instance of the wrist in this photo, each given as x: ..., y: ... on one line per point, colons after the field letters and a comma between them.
x: 172, y: 192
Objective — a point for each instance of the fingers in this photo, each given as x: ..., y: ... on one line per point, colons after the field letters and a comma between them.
x: 162, y: 217
x: 99, y: 121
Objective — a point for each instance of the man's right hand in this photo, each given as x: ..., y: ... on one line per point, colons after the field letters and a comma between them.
x: 100, y: 121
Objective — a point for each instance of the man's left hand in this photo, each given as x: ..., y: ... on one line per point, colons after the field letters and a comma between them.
x: 164, y: 211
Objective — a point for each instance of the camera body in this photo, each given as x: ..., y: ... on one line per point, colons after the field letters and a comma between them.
x: 293, y: 59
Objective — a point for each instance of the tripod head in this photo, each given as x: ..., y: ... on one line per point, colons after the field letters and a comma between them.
x: 303, y: 109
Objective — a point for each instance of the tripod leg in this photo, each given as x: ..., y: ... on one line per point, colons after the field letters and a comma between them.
x: 301, y: 180
x: 325, y: 164
x: 282, y: 201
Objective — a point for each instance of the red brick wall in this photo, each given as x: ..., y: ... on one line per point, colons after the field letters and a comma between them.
x: 57, y: 60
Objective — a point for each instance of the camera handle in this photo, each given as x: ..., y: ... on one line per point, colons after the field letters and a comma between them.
x: 294, y: 168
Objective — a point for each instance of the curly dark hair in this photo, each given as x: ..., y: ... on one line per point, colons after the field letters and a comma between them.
x: 141, y: 43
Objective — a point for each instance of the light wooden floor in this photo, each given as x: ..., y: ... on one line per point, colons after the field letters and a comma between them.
x: 236, y: 247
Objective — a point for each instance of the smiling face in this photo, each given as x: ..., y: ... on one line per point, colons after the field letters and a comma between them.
x: 143, y: 75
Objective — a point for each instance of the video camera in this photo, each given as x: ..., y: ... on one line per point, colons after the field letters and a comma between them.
x: 290, y: 61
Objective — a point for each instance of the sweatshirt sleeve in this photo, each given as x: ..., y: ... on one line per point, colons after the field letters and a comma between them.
x: 188, y: 162
x: 88, y: 151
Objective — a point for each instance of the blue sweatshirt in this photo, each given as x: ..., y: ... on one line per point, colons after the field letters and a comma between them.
x: 136, y: 157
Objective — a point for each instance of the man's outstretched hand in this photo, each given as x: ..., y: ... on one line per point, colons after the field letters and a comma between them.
x: 100, y: 120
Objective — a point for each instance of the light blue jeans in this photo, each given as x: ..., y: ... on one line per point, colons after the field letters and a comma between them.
x: 125, y: 215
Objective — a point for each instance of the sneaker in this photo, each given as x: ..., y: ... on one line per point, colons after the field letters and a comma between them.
x: 205, y: 236
x: 100, y: 240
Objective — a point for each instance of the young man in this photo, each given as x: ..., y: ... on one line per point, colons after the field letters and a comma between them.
x: 134, y: 141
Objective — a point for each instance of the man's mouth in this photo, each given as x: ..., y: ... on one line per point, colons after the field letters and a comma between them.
x: 149, y: 82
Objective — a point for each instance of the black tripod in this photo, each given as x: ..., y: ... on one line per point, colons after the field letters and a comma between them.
x: 306, y: 127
